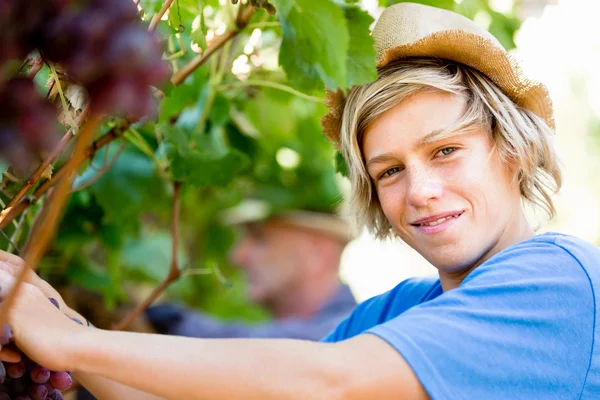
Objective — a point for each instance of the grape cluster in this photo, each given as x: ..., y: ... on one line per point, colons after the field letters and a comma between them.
x: 101, y: 45
x: 26, y: 380
x: 27, y: 123
x: 106, y: 49
x: 19, y: 26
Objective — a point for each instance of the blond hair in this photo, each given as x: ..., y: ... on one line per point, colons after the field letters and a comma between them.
x: 519, y: 136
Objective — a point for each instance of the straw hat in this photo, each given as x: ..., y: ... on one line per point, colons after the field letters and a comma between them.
x: 415, y: 30
x: 251, y: 211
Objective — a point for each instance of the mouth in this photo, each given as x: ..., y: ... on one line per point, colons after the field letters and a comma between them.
x: 437, y: 219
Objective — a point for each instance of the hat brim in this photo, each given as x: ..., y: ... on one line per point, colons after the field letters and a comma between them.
x: 257, y: 211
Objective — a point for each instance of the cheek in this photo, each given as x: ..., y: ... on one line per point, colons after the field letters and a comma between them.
x: 487, y: 183
x: 392, y: 202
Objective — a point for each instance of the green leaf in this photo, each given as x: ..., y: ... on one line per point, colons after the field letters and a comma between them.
x: 315, y: 43
x: 219, y: 112
x: 203, y: 169
x: 340, y: 164
x: 362, y: 56
x: 183, y: 96
x: 151, y: 6
x: 198, y: 35
x: 202, y: 160
x: 269, y: 113
x: 129, y: 187
x: 446, y: 4
x: 504, y: 29
x: 150, y: 256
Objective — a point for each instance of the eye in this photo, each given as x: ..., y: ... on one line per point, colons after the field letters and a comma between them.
x: 390, y: 172
x: 447, y: 151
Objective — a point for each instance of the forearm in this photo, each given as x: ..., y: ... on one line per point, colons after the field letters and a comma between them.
x: 178, y: 367
x: 106, y: 389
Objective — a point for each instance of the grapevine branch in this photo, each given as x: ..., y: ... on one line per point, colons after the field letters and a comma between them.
x: 174, y: 271
x: 244, y: 15
x: 45, y: 163
x: 45, y: 225
x: 156, y: 19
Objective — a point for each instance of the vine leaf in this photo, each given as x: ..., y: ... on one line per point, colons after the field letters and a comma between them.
x: 202, y: 160
x: 315, y: 43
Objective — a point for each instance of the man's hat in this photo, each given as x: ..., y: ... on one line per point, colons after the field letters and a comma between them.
x: 415, y: 30
x: 256, y: 211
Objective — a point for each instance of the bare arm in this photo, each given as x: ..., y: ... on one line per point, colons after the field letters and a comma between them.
x: 176, y: 367
x: 364, y: 367
x: 106, y: 389
x: 103, y: 388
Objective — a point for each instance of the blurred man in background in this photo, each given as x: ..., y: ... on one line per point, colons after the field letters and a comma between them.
x: 291, y: 264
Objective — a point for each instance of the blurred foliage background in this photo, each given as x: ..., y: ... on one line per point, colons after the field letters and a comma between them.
x: 244, y: 124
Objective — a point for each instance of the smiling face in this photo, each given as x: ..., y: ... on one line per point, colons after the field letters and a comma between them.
x: 452, y: 199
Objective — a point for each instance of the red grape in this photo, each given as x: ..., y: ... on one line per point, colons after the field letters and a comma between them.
x: 15, y: 370
x: 61, y: 380
x: 39, y: 374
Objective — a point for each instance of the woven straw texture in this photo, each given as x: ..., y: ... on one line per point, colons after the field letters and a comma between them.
x: 415, y: 30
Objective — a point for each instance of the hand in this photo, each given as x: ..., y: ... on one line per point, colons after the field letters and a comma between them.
x: 40, y: 330
x: 14, y: 265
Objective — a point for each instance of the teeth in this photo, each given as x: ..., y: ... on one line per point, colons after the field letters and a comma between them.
x: 437, y: 222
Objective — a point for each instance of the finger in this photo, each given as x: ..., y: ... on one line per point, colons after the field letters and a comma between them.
x: 11, y: 258
x: 7, y: 281
x: 10, y: 355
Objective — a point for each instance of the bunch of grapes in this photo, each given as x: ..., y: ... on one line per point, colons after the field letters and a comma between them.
x: 27, y: 123
x: 19, y: 26
x: 102, y: 45
x: 106, y: 49
x: 26, y: 380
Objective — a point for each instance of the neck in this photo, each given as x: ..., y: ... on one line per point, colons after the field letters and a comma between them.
x: 306, y: 300
x: 513, y: 234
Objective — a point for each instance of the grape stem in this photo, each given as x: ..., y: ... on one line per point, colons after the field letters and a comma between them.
x: 44, y: 227
x: 244, y: 15
x: 156, y: 19
x: 174, y: 271
x: 36, y: 66
x: 17, y: 234
x: 34, y: 178
x: 101, y: 171
x: 273, y: 85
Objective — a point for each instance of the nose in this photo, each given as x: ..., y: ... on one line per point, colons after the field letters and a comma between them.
x: 241, y: 252
x: 423, y: 186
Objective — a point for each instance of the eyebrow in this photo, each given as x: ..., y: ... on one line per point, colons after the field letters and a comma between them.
x: 429, y: 138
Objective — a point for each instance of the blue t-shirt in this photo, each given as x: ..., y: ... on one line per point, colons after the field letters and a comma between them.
x: 521, y: 326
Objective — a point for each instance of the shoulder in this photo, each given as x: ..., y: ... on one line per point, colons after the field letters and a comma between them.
x: 390, y: 304
x: 547, y: 255
x: 530, y: 309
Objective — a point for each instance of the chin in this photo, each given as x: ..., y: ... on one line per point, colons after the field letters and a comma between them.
x: 452, y: 262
